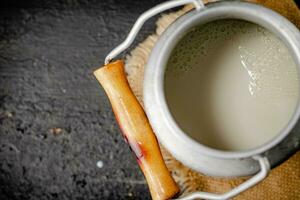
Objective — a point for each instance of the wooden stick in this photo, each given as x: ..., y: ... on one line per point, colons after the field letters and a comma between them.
x: 136, y: 130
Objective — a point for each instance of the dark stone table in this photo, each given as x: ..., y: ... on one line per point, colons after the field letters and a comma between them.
x: 55, y: 121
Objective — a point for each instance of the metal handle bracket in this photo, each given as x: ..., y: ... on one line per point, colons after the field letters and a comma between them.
x: 264, y: 169
x: 143, y: 18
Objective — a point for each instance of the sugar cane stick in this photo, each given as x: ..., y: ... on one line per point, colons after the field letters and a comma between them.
x: 136, y: 130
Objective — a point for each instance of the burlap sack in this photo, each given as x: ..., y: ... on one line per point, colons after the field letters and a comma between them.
x: 282, y: 183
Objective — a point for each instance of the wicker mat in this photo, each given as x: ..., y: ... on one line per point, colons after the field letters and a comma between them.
x: 282, y: 183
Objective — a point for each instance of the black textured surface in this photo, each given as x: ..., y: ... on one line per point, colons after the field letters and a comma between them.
x: 55, y: 120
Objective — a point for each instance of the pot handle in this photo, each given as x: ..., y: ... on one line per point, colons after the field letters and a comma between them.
x: 143, y: 18
x: 264, y: 169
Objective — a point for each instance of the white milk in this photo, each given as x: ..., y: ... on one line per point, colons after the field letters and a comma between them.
x: 231, y: 85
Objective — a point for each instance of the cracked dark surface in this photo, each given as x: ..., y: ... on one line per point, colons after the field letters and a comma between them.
x: 55, y: 120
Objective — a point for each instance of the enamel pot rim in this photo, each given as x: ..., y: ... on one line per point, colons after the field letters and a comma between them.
x: 164, y: 125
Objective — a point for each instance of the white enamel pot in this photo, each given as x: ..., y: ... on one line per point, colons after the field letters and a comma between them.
x: 213, y: 162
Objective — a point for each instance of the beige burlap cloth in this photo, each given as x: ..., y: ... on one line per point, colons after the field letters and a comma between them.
x: 282, y: 183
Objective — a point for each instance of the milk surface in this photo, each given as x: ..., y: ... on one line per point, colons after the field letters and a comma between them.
x: 231, y: 85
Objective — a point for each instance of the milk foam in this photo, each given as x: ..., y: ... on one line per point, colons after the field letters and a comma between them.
x: 231, y: 85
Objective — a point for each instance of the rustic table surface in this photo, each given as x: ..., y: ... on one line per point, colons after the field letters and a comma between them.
x: 56, y: 123
x: 58, y: 136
